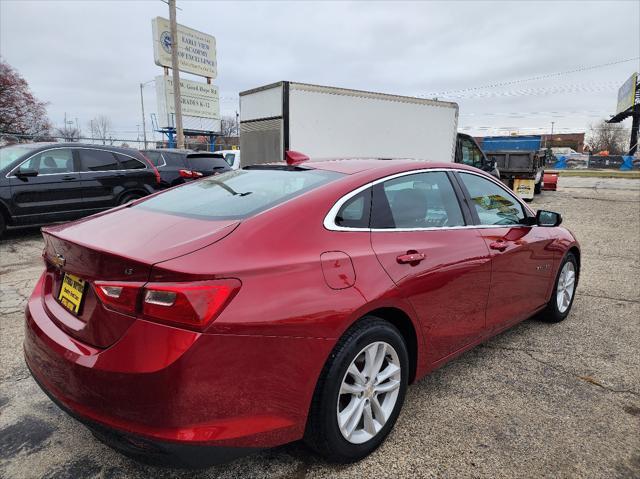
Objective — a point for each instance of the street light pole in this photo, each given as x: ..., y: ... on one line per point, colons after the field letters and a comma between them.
x: 176, y: 74
x: 144, y: 127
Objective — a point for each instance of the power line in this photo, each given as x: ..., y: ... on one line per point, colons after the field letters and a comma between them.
x: 535, y: 78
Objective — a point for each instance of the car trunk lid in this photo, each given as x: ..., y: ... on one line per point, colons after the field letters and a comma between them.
x: 122, y: 245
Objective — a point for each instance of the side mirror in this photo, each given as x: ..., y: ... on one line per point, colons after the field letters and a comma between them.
x: 548, y: 218
x: 26, y: 173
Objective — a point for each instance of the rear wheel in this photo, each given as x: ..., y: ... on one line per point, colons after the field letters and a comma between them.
x: 563, y: 292
x: 129, y: 197
x: 360, y: 392
x: 3, y: 225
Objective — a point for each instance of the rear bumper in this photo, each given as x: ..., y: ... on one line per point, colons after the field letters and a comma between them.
x: 155, y: 452
x: 165, y: 385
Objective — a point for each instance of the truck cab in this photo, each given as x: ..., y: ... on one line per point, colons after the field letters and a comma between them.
x: 469, y: 153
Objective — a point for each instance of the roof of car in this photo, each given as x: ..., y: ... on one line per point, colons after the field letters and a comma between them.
x: 356, y: 165
x: 45, y: 145
x: 169, y: 150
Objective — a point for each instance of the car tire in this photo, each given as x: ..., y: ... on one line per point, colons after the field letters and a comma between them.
x: 338, y: 389
x: 3, y: 225
x: 129, y: 197
x: 564, y: 291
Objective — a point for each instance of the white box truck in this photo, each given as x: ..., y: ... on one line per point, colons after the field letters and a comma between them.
x: 327, y: 122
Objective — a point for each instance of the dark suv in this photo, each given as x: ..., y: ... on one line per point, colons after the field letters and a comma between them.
x: 46, y: 182
x: 177, y: 166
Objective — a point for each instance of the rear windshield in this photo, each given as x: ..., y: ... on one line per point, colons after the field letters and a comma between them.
x: 237, y: 194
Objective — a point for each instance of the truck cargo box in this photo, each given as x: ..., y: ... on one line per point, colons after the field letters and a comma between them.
x: 327, y: 122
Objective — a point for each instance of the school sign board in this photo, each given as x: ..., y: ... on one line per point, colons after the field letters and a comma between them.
x: 200, y: 104
x: 196, y: 50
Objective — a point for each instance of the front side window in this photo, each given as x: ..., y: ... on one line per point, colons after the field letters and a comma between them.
x: 421, y: 200
x: 494, y: 205
x: 229, y: 157
x: 98, y: 160
x: 50, y: 162
x: 471, y: 155
x: 237, y: 194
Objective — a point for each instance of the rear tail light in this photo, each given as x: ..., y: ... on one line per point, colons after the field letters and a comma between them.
x: 190, y: 174
x: 121, y: 297
x: 193, y: 305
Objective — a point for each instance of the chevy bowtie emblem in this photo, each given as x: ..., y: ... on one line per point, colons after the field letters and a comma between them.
x: 58, y: 260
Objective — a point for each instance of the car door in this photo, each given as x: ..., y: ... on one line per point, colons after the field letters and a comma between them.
x: 46, y: 187
x: 101, y: 178
x: 419, y: 234
x: 521, y: 255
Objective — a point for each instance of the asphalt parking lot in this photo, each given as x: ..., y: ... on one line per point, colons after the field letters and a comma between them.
x: 539, y: 400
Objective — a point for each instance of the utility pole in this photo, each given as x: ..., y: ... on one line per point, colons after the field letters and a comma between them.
x: 144, y: 128
x: 176, y: 72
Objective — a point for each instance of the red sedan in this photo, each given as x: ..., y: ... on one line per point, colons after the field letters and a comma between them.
x: 281, y: 302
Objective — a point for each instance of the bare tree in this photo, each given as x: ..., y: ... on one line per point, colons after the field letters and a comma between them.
x: 609, y: 137
x: 69, y: 132
x: 228, y: 127
x: 20, y: 112
x: 101, y: 128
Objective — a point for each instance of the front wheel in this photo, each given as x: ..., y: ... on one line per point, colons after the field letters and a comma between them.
x: 563, y: 292
x: 360, y: 392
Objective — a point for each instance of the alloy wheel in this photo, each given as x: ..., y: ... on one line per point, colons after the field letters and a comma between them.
x: 566, y: 286
x: 369, y: 392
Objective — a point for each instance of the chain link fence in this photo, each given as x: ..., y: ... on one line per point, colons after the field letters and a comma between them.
x: 198, y: 143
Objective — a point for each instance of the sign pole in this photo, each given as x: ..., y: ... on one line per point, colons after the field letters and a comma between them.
x: 144, y: 127
x: 176, y: 72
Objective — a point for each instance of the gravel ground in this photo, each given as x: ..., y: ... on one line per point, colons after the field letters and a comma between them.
x: 539, y: 400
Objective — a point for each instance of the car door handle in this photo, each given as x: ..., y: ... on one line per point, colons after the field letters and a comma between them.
x: 410, y: 257
x: 500, y: 245
x: 68, y: 178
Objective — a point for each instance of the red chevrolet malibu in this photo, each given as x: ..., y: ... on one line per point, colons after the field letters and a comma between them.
x: 281, y: 302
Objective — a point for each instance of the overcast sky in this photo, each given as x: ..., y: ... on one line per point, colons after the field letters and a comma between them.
x: 88, y: 57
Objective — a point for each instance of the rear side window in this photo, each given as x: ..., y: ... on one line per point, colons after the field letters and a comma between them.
x: 237, y: 194
x: 355, y: 212
x: 98, y: 160
x: 128, y: 163
x: 155, y: 157
x: 421, y: 200
x: 175, y: 159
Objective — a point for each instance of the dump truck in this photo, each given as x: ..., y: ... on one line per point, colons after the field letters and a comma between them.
x: 520, y: 160
x: 329, y: 122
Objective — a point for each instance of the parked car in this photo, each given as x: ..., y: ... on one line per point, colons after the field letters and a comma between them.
x: 284, y: 302
x: 178, y: 166
x: 232, y: 157
x: 45, y: 182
